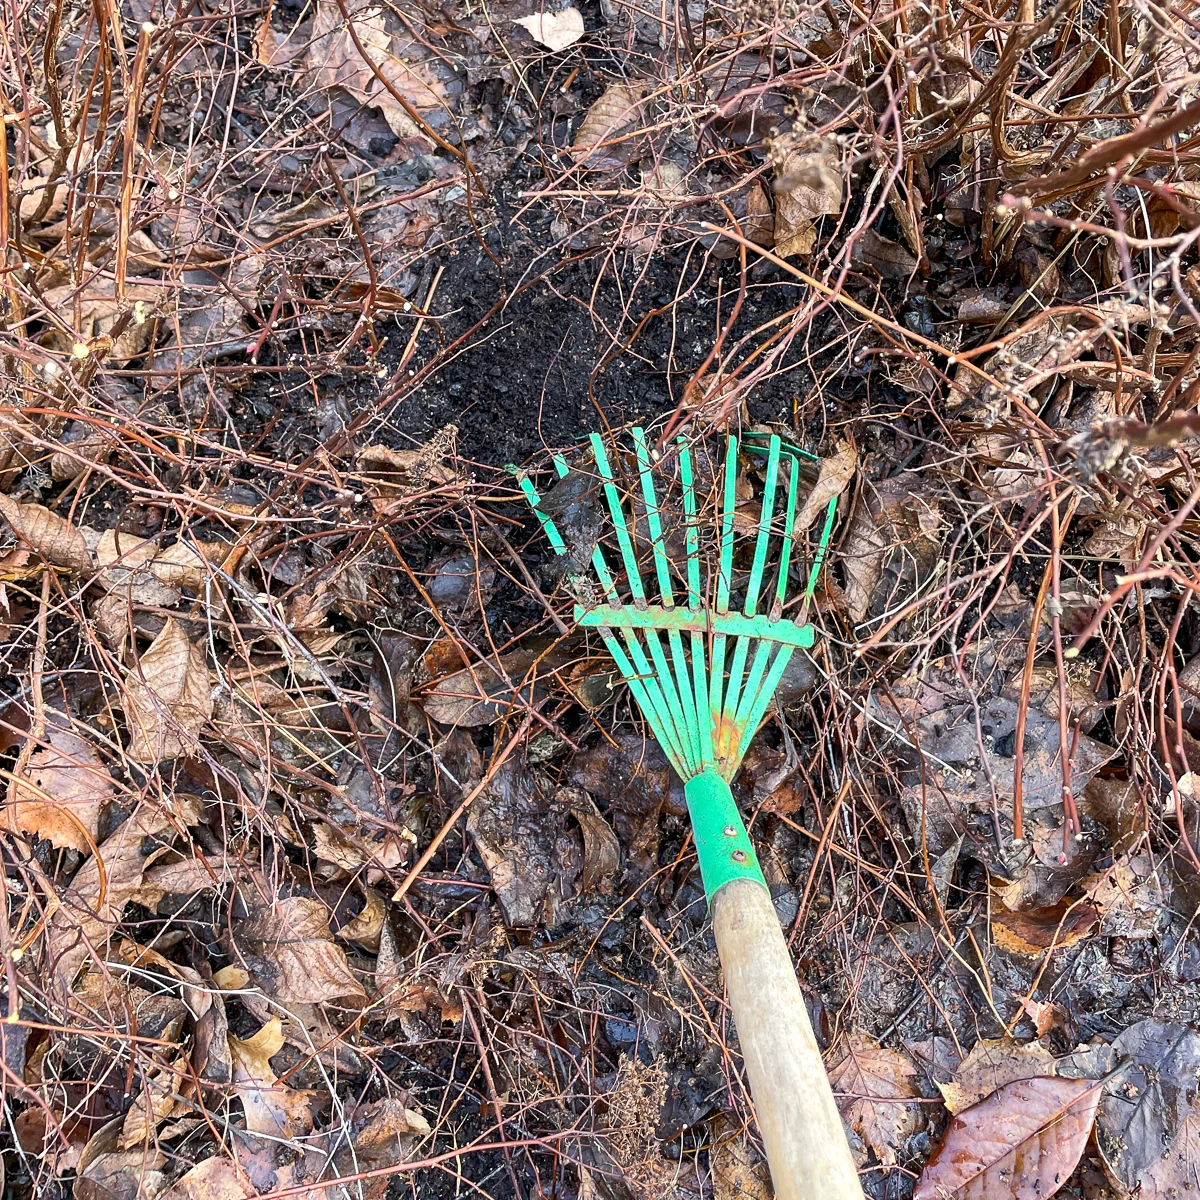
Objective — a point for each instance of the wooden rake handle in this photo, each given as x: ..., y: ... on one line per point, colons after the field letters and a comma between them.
x: 806, y: 1144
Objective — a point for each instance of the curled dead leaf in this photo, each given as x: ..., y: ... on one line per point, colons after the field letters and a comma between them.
x: 609, y: 119
x: 835, y: 474
x: 808, y: 186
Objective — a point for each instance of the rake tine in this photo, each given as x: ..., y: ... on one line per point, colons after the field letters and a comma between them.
x: 687, y: 482
x: 653, y: 519
x: 762, y: 543
x: 548, y: 526
x: 754, y: 718
x: 699, y: 678
x: 716, y: 674
x: 789, y: 540
x: 617, y: 511
x: 822, y: 549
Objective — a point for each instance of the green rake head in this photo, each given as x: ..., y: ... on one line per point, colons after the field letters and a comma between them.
x: 702, y: 650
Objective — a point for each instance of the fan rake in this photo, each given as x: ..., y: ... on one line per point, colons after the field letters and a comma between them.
x: 703, y: 651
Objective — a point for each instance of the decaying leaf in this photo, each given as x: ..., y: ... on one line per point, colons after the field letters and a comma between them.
x: 97, y: 896
x: 1145, y: 1106
x: 808, y: 186
x: 738, y: 1173
x: 270, y: 1107
x: 836, y: 472
x: 601, y: 850
x: 877, y: 1082
x: 168, y: 697
x: 61, y: 791
x: 554, y: 30
x: 881, y: 254
x: 481, y: 694
x: 1176, y: 1175
x: 99, y: 310
x: 291, y: 952
x: 57, y: 541
x: 609, y: 119
x: 1022, y: 1141
x: 991, y: 1064
x: 1131, y: 897
x: 532, y: 858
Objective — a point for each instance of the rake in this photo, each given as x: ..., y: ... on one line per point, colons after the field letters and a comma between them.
x: 704, y: 670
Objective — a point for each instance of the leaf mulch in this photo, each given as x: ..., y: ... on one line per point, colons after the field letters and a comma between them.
x: 337, y: 864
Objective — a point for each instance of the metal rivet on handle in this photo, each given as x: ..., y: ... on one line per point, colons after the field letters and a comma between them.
x: 739, y: 856
x: 729, y: 831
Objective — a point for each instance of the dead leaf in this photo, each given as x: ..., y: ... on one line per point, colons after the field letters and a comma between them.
x: 601, y: 850
x: 93, y: 312
x: 875, y: 1083
x: 215, y: 1178
x: 426, y: 84
x: 168, y: 697
x: 271, y: 1108
x: 881, y: 254
x: 738, y: 1173
x: 808, y: 185
x: 1144, y: 1107
x: 291, y: 953
x: 1032, y: 932
x: 96, y: 897
x: 609, y: 119
x: 554, y: 30
x: 158, y: 1100
x: 482, y: 694
x: 1130, y: 896
x: 125, y: 565
x: 1174, y: 1176
x: 61, y: 790
x: 532, y: 859
x: 57, y: 541
x: 1023, y: 1141
x: 393, y: 474
x: 991, y: 1064
x: 836, y: 472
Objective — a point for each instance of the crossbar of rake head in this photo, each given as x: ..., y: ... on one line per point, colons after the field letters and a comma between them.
x: 686, y: 620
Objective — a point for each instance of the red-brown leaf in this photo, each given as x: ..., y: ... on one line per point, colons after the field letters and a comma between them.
x: 1020, y: 1143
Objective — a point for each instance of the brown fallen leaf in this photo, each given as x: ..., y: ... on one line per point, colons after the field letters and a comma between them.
x: 881, y: 254
x: 99, y: 310
x: 125, y: 565
x: 61, y: 791
x: 992, y: 1063
x: 158, y: 1100
x: 291, y: 953
x: 216, y: 1178
x: 875, y: 1083
x: 1023, y: 1142
x: 609, y: 119
x: 270, y: 1107
x: 93, y: 902
x: 808, y: 186
x: 836, y: 473
x: 57, y: 541
x: 1033, y: 932
x: 168, y: 697
x: 738, y: 1173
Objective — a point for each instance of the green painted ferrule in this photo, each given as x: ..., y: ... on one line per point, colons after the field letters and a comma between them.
x: 721, y: 839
